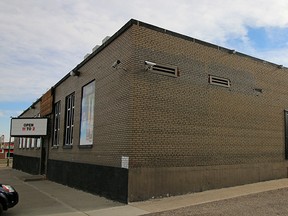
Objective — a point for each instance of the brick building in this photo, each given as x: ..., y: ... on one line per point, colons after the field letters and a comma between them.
x: 173, y: 115
x: 6, y: 150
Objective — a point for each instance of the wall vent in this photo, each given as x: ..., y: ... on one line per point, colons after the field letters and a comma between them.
x: 166, y: 70
x: 220, y: 81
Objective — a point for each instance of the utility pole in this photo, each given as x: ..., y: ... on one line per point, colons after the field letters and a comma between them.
x: 9, y: 146
x: 8, y: 157
x: 2, y: 138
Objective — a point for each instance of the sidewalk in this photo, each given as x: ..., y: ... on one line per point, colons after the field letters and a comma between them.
x: 49, y: 198
x: 209, y: 196
x: 171, y: 203
x: 4, y: 162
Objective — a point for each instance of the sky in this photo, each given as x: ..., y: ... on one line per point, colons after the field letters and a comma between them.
x: 41, y: 41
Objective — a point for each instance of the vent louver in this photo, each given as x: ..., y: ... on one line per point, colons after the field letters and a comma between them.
x: 220, y: 81
x: 166, y: 70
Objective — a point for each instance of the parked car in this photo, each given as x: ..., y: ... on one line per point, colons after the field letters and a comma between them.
x: 8, y: 197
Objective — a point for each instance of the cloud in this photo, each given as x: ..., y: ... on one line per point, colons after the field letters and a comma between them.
x: 5, y: 113
x: 11, y: 109
x: 41, y: 42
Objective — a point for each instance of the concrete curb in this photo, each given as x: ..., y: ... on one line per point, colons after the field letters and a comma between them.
x: 33, y: 178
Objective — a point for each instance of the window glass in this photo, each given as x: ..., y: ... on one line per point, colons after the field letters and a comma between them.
x: 69, y: 119
x: 33, y: 143
x: 28, y: 142
x: 38, y: 142
x: 20, y: 143
x: 56, y: 131
x: 87, y: 114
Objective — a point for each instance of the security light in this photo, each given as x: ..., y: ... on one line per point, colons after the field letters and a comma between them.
x: 149, y: 65
x: 116, y: 63
x: 74, y: 73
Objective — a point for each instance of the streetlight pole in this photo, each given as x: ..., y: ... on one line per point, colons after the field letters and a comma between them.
x: 2, y: 142
x: 9, y: 145
x: 8, y: 156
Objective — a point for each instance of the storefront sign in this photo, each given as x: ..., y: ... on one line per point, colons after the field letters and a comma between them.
x: 28, y: 127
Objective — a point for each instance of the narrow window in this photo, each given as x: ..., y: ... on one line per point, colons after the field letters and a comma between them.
x: 24, y: 143
x: 87, y: 114
x: 28, y: 143
x: 20, y: 142
x: 69, y: 120
x: 33, y: 143
x: 38, y: 143
x: 56, y: 128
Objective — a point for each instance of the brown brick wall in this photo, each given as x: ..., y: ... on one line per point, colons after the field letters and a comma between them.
x: 148, y: 183
x: 112, y: 106
x: 161, y: 121
x: 185, y: 121
x: 164, y: 121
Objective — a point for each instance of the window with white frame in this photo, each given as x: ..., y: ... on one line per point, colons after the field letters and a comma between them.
x: 69, y: 119
x: 24, y: 143
x: 33, y: 142
x: 38, y: 142
x: 28, y: 142
x: 56, y: 128
x: 20, y: 143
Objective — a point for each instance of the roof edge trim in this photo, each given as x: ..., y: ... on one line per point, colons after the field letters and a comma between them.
x: 162, y: 30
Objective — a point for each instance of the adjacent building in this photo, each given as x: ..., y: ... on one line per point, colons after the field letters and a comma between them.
x: 6, y: 150
x: 153, y: 113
